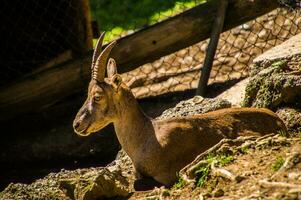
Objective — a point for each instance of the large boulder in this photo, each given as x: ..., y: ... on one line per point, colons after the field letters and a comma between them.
x: 236, y: 93
x: 82, y: 184
x: 275, y: 77
x: 291, y: 117
x: 195, y: 105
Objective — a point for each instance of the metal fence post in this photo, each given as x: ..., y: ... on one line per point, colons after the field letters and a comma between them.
x: 210, y: 53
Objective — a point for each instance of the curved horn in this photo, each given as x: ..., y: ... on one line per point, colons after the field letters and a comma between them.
x: 100, y: 64
x: 97, y: 49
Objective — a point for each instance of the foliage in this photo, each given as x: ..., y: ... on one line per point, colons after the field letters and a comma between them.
x: 281, y: 63
x: 202, y: 175
x: 284, y: 133
x: 120, y: 16
x: 224, y: 160
x: 278, y: 163
x: 203, y: 172
x: 244, y: 149
x: 180, y: 183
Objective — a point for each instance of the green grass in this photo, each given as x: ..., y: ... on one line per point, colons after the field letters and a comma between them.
x: 278, y: 163
x: 202, y: 175
x: 120, y: 16
x: 224, y: 160
x: 284, y: 133
x: 203, y: 172
x: 280, y: 63
x: 179, y: 184
x: 245, y: 149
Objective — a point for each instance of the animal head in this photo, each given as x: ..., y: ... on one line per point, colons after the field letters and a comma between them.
x: 99, y: 110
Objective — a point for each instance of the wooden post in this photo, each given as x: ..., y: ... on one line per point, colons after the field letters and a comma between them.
x: 82, y: 27
x: 35, y: 92
x: 210, y: 53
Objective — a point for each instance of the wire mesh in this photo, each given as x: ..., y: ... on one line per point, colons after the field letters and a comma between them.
x: 36, y: 33
x: 236, y: 50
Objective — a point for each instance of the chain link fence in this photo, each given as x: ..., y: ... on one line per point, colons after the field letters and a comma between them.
x: 236, y: 50
x: 40, y: 35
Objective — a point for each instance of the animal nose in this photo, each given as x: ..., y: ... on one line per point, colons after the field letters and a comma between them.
x: 76, y: 125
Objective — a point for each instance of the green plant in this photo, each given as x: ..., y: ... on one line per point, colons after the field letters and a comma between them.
x: 244, y: 149
x: 224, y: 160
x: 166, y: 193
x: 203, y: 172
x: 284, y: 133
x: 120, y: 16
x: 202, y: 175
x: 278, y: 163
x: 180, y: 183
x: 280, y: 64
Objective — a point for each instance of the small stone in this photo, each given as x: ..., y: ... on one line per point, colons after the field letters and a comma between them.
x: 247, y: 173
x: 294, y: 175
x: 218, y: 193
x: 206, y: 195
x: 245, y: 27
x: 197, y: 99
x: 276, y: 148
x: 239, y: 178
x: 166, y: 193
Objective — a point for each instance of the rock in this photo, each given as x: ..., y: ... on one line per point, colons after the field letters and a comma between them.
x: 96, y: 184
x: 84, y: 184
x: 278, y: 83
x: 291, y: 118
x: 218, y: 193
x: 196, y: 105
x: 236, y: 93
x: 275, y: 76
x: 287, y: 49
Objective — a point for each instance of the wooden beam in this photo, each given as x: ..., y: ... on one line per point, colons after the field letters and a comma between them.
x: 39, y: 90
x: 183, y: 30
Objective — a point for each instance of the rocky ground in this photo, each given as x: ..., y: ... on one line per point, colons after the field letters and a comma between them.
x: 244, y: 168
x: 265, y: 168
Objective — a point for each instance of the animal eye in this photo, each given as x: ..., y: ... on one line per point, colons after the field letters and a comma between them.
x: 97, y: 98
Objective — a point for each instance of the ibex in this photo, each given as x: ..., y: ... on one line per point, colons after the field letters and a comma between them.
x: 160, y: 148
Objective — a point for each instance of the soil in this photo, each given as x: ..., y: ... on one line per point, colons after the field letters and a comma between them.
x: 270, y: 168
x: 256, y: 165
x: 258, y: 162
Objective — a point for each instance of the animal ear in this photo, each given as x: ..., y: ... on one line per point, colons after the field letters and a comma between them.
x: 111, y: 68
x: 116, y: 81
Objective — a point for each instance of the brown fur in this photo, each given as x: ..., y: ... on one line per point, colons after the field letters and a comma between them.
x: 160, y: 148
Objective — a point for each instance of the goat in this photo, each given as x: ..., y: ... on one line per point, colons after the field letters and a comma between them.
x: 160, y: 148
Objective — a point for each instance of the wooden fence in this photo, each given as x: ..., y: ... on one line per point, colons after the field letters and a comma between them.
x: 37, y: 91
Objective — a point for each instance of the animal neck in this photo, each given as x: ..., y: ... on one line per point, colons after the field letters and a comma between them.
x: 133, y: 127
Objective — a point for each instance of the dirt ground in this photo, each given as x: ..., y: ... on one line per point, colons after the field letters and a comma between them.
x: 270, y: 169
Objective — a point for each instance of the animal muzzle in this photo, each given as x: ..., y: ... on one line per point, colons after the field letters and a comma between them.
x: 81, y: 125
